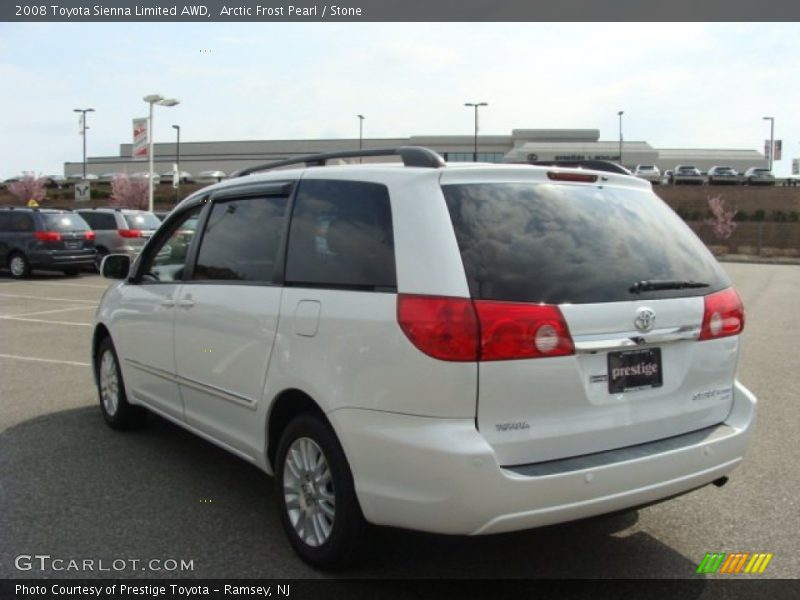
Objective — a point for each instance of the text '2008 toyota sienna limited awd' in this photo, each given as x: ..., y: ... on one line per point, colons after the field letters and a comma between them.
x: 456, y: 349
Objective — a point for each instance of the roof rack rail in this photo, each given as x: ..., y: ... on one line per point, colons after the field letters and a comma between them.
x: 595, y: 165
x: 413, y: 156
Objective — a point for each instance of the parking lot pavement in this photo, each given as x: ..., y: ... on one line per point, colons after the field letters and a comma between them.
x: 72, y: 488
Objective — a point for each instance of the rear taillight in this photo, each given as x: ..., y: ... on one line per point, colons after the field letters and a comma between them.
x: 458, y: 329
x: 566, y: 176
x: 512, y: 331
x: 441, y: 327
x: 89, y: 235
x: 723, y: 315
x: 130, y: 233
x: 47, y: 236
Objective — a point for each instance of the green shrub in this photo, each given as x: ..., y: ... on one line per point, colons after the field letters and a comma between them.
x: 759, y: 215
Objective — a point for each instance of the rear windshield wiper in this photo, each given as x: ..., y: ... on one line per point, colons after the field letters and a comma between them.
x: 647, y: 285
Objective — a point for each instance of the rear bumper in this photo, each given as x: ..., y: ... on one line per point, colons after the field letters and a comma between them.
x: 57, y: 260
x: 440, y: 475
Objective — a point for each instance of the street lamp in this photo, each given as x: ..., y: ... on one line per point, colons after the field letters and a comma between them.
x: 360, y: 133
x: 771, y: 139
x: 177, y: 129
x: 161, y: 101
x: 619, y: 114
x: 83, y: 112
x: 475, y: 148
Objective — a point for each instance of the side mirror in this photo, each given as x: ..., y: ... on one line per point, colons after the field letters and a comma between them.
x: 115, y: 266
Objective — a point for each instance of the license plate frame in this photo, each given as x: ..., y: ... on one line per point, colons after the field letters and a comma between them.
x: 73, y: 244
x: 634, y: 370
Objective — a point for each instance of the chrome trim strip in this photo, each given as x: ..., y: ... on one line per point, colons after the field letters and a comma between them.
x: 589, y: 344
x: 201, y: 387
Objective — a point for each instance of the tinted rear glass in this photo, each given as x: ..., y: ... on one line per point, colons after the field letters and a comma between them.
x: 142, y: 221
x: 64, y: 222
x: 341, y: 236
x: 573, y: 244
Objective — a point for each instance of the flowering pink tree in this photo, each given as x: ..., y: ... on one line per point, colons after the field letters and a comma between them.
x: 28, y: 188
x: 129, y: 192
x: 722, y: 220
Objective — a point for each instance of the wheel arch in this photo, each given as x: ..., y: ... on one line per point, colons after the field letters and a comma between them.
x: 286, y: 406
x: 100, y: 333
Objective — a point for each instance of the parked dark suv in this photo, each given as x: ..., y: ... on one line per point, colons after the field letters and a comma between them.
x: 42, y: 238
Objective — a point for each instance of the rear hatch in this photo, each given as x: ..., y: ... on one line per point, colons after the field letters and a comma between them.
x: 623, y: 288
x: 141, y: 227
x: 66, y: 233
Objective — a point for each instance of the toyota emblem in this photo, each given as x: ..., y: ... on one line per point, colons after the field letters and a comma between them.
x: 645, y: 319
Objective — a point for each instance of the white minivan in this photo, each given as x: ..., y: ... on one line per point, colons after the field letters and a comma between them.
x: 461, y: 349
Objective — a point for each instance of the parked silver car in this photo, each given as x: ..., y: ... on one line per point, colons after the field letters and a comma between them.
x: 119, y: 230
x: 687, y: 175
x: 723, y: 176
x: 759, y: 176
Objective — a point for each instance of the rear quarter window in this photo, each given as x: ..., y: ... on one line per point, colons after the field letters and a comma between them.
x: 536, y: 242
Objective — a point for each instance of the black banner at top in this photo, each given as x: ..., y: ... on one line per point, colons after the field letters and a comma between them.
x: 396, y: 10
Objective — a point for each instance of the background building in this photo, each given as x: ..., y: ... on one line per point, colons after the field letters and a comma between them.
x: 521, y: 146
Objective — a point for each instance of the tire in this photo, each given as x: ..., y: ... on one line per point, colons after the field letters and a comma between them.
x: 19, y: 265
x: 98, y: 259
x: 338, y: 536
x: 117, y: 412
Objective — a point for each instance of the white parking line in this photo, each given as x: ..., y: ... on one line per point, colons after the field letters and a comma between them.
x: 46, y: 360
x: 45, y: 321
x: 80, y: 285
x: 45, y: 312
x: 94, y: 302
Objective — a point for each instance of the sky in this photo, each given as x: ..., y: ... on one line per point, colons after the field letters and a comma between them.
x: 681, y: 85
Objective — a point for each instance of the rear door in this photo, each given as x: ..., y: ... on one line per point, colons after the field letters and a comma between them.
x: 638, y: 372
x: 75, y: 235
x: 227, y: 315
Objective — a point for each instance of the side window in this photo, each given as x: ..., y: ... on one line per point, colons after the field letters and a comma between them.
x: 104, y: 221
x: 166, y: 262
x: 341, y: 236
x: 241, y: 240
x: 89, y: 218
x: 21, y: 222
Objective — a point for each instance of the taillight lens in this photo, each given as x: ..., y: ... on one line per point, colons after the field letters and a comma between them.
x: 441, y: 327
x: 458, y: 329
x: 723, y: 315
x: 130, y: 233
x: 47, y: 236
x: 513, y: 331
x: 89, y: 235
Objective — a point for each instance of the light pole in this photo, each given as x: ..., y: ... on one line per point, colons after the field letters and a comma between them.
x: 475, y: 147
x: 771, y: 139
x: 83, y: 112
x: 619, y: 114
x: 177, y: 128
x: 360, y: 133
x: 161, y: 101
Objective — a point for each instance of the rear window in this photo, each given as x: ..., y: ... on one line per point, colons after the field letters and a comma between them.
x: 557, y: 244
x: 144, y: 220
x: 64, y: 222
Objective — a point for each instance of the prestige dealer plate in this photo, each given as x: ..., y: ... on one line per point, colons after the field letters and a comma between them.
x: 634, y: 370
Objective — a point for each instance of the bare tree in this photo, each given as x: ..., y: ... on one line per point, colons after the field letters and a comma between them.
x: 722, y: 220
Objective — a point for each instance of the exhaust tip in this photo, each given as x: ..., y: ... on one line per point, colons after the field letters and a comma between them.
x: 720, y: 482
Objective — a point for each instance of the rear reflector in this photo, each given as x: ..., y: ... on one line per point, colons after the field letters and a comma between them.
x: 565, y: 176
x: 458, y: 329
x: 513, y: 331
x: 130, y: 233
x: 47, y: 236
x: 723, y: 315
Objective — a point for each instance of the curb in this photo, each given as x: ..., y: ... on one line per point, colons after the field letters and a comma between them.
x: 743, y: 258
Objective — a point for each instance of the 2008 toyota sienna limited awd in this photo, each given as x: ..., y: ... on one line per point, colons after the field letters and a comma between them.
x: 464, y: 349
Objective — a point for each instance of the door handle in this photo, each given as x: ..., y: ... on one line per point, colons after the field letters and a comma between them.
x: 188, y: 303
x: 168, y: 303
